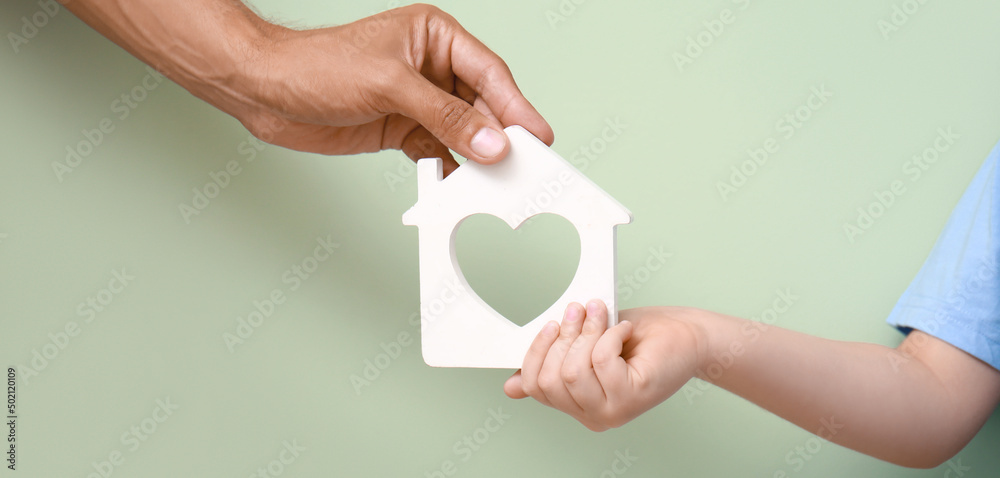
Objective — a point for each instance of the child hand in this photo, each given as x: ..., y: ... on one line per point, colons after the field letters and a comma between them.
x: 606, y: 377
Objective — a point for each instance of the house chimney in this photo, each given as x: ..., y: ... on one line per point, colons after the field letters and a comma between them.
x: 429, y: 173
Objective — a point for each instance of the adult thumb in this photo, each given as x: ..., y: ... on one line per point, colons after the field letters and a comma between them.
x: 453, y: 121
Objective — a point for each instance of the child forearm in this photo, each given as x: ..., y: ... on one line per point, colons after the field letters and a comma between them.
x: 916, y: 406
x: 914, y: 409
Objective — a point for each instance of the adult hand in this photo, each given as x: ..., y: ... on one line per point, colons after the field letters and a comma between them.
x: 410, y: 78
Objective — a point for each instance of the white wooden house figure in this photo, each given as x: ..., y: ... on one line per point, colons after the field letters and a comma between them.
x: 458, y: 328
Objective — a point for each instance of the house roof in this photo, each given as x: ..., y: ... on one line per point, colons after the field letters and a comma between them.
x: 532, y: 179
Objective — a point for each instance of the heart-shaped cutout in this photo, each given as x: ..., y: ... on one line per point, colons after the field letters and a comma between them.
x: 522, y: 272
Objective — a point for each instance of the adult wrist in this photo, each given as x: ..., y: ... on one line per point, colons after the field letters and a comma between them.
x: 226, y: 67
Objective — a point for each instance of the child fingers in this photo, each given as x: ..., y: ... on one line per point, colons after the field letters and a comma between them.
x: 572, y: 323
x: 609, y: 366
x: 550, y: 380
x: 534, y: 359
x: 513, y: 387
x: 578, y: 367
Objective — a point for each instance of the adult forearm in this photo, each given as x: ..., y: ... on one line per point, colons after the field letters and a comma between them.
x: 409, y: 78
x: 203, y: 45
x: 864, y: 396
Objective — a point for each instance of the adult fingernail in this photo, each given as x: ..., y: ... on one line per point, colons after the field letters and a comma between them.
x: 488, y: 143
x: 550, y: 328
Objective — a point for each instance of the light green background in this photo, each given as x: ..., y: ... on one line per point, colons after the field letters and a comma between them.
x: 163, y: 335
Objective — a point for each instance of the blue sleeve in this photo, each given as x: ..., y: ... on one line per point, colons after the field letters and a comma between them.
x: 956, y: 295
